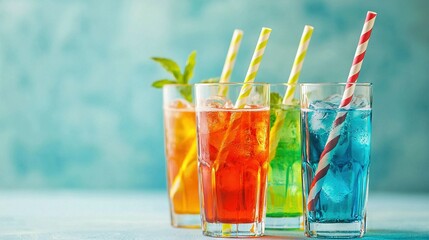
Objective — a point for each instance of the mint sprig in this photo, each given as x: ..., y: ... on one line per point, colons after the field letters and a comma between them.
x: 189, y: 68
x: 178, y: 78
x: 275, y: 99
x: 162, y: 82
x: 169, y: 65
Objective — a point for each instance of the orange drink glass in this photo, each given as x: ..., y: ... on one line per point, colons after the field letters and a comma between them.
x: 232, y: 159
x: 181, y: 156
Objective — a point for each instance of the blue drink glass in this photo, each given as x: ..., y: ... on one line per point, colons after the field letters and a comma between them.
x: 340, y: 207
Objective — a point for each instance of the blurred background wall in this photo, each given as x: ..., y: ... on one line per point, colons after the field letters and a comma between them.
x: 77, y: 110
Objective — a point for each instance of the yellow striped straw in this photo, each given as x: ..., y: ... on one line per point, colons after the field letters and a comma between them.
x: 293, y: 79
x: 297, y: 64
x: 189, y: 159
x: 234, y: 46
x: 254, y: 66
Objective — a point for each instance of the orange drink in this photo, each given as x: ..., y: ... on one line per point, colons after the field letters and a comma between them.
x: 181, y: 156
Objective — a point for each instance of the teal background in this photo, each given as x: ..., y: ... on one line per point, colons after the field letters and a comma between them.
x: 77, y: 109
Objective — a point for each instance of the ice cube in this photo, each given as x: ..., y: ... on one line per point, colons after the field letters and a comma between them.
x: 218, y: 102
x: 252, y: 106
x: 180, y: 104
x: 261, y: 135
x: 335, y: 186
x: 228, y: 175
x: 334, y: 100
x: 360, y: 102
x: 321, y: 121
x: 318, y: 104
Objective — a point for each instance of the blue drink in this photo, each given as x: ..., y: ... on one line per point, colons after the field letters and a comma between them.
x: 340, y: 208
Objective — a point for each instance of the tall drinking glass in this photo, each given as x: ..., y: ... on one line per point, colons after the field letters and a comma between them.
x: 335, y: 172
x: 233, y: 153
x: 284, y: 191
x: 181, y: 155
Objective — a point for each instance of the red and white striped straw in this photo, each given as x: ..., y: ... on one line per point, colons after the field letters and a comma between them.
x: 334, y: 135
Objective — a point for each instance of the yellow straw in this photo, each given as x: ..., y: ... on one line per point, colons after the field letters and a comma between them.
x: 297, y: 64
x: 254, y: 66
x: 246, y: 88
x: 293, y: 79
x: 190, y: 156
x: 234, y: 46
x: 226, y: 74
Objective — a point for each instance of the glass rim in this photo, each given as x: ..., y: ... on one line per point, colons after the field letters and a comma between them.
x: 284, y: 84
x: 233, y: 84
x: 178, y: 85
x: 363, y: 84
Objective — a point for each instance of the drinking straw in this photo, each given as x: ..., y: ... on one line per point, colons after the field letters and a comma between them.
x: 298, y: 62
x: 334, y: 135
x: 226, y: 74
x: 234, y: 46
x: 245, y: 92
x: 293, y: 79
x: 189, y: 158
x: 254, y: 67
x: 246, y: 88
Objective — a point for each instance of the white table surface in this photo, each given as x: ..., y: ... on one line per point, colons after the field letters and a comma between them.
x: 144, y: 215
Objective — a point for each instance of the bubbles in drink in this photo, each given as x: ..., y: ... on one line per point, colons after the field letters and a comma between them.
x: 361, y: 137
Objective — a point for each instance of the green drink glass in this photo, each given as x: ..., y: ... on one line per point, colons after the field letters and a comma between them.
x: 284, y: 190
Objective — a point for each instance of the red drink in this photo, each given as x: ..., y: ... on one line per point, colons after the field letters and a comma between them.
x: 233, y: 162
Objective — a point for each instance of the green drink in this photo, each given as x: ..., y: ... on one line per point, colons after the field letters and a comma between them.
x: 284, y: 191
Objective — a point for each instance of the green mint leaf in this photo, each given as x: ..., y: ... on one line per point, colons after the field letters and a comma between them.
x: 171, y: 67
x: 189, y: 69
x: 211, y: 80
x: 186, y: 93
x: 162, y: 82
x: 275, y: 99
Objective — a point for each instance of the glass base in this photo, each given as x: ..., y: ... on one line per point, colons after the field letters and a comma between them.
x: 185, y: 220
x: 279, y: 223
x: 233, y: 230
x: 335, y: 230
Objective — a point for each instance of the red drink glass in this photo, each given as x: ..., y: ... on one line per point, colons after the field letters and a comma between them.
x: 233, y: 146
